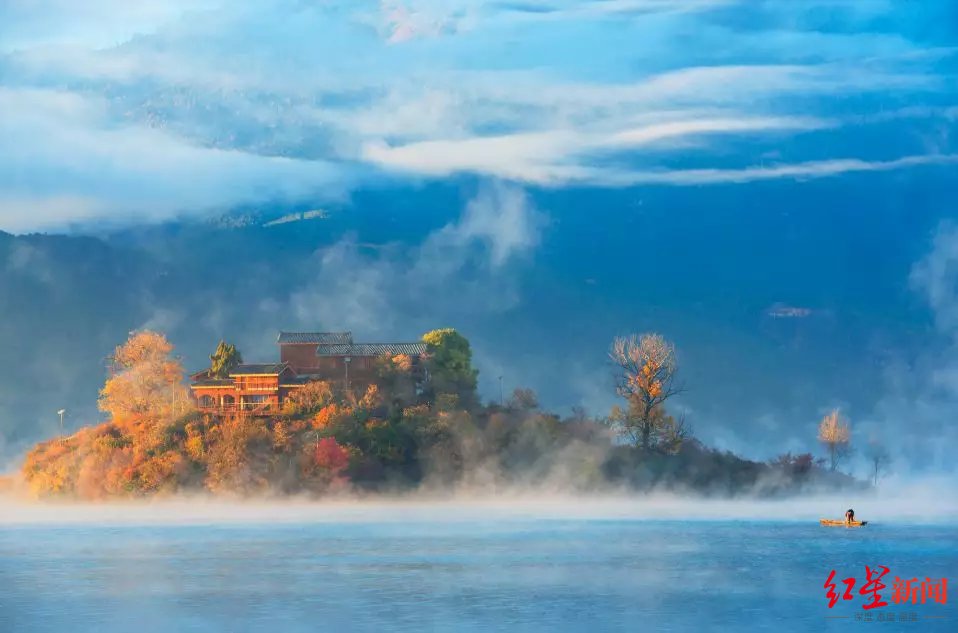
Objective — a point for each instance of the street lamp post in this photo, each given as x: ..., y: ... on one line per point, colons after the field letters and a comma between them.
x: 60, y: 413
x: 346, y: 361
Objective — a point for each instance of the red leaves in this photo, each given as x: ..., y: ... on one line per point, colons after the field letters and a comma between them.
x: 330, y: 456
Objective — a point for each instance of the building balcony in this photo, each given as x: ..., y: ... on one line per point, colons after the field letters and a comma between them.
x: 248, y: 408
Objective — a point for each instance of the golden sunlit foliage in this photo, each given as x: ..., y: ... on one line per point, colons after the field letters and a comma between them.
x: 401, y: 430
x: 372, y: 399
x: 835, y: 433
x: 308, y: 399
x: 326, y: 416
x: 244, y: 456
x: 146, y: 380
x: 151, y: 448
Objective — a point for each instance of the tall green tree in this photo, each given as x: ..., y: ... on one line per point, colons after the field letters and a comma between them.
x: 224, y: 359
x: 449, y: 366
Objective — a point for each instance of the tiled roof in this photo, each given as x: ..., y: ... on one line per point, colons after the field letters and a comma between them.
x: 372, y: 349
x: 213, y: 382
x: 317, y: 338
x: 269, y: 369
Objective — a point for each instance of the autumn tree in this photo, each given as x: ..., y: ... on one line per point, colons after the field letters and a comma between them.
x: 645, y: 376
x: 449, y: 366
x: 878, y: 458
x: 396, y: 376
x: 835, y: 434
x: 523, y: 399
x: 308, y: 399
x: 329, y: 460
x: 146, y: 380
x: 224, y: 359
x: 238, y: 460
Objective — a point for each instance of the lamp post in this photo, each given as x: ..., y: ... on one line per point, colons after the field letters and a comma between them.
x: 500, y: 391
x: 346, y: 362
x: 60, y: 413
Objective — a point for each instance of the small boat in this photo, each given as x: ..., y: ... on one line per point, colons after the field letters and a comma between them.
x: 841, y: 523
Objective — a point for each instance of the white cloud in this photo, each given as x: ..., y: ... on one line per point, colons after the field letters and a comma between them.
x: 640, y: 136
x: 936, y: 277
x: 65, y: 161
x: 811, y: 169
x: 37, y: 212
x: 409, y: 20
x: 199, y: 105
x: 501, y: 217
x: 462, y: 268
x: 547, y: 158
x: 96, y: 23
x: 914, y: 419
x: 529, y: 157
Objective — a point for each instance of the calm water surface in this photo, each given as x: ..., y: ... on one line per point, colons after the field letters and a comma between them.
x: 518, y: 575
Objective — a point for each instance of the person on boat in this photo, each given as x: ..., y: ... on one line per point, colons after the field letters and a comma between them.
x: 850, y: 516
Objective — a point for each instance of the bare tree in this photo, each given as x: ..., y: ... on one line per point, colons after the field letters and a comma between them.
x: 645, y: 377
x: 579, y: 413
x: 835, y: 433
x: 673, y: 433
x: 878, y: 455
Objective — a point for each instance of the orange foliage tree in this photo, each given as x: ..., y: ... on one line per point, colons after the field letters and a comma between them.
x: 326, y: 464
x: 329, y: 415
x: 330, y: 456
x: 146, y: 380
x: 238, y: 460
x: 835, y: 433
x: 308, y: 399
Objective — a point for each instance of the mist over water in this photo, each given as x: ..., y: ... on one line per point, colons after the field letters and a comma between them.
x: 928, y: 501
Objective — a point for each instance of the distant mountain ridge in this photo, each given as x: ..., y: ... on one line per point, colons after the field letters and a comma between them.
x: 756, y: 379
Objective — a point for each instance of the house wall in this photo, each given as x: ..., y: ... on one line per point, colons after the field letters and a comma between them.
x: 246, y: 394
x: 301, y: 357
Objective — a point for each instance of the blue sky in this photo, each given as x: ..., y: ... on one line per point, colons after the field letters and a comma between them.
x: 542, y: 174
x: 127, y: 112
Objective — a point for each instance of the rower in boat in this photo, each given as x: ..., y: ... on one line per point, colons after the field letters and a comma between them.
x: 849, y: 521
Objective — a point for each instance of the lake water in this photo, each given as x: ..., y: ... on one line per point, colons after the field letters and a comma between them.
x: 482, y: 572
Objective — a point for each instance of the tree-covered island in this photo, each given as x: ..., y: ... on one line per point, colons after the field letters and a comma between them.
x: 411, y: 420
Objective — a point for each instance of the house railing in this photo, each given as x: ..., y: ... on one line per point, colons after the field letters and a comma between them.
x: 240, y: 407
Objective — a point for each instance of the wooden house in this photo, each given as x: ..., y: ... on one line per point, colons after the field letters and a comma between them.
x: 261, y: 389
